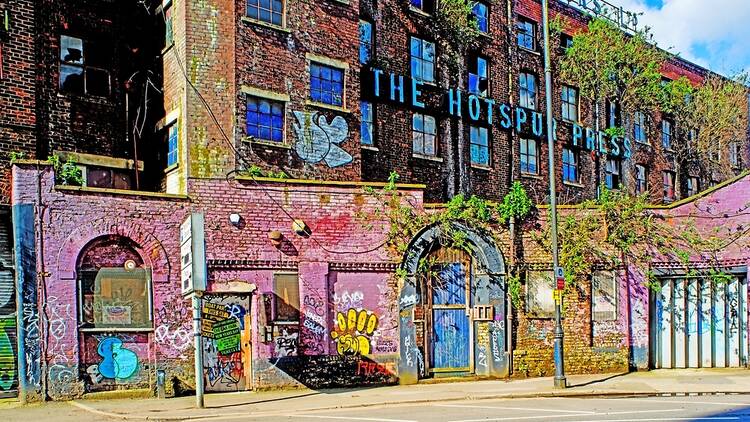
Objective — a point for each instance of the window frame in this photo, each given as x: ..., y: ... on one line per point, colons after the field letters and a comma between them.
x: 735, y: 154
x: 323, y: 64
x: 421, y: 59
x: 423, y: 134
x: 173, y: 152
x: 84, y: 68
x: 479, y: 146
x: 641, y: 183
x: 525, y: 156
x: 276, y: 297
x: 91, y: 326
x: 609, y: 175
x: 667, y: 136
x: 271, y: 101
x: 524, y: 88
x: 474, y: 65
x: 425, y: 6
x: 370, y: 124
x: 575, y: 165
x: 523, y: 21
x: 263, y: 21
x: 614, y: 312
x: 363, y: 45
x: 693, y: 185
x: 642, y: 124
x: 566, y: 104
x: 667, y: 188
x: 486, y: 17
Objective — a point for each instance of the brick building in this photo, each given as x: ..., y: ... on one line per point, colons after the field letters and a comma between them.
x: 171, y: 107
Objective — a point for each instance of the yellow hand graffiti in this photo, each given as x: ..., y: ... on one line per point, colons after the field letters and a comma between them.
x: 353, y: 331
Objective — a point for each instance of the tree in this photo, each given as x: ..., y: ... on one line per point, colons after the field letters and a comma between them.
x: 713, y: 119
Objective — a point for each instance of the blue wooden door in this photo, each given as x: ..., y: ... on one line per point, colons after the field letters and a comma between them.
x: 450, y: 322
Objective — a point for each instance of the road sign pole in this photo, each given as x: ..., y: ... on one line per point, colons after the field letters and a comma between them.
x: 198, y: 350
x: 560, y: 381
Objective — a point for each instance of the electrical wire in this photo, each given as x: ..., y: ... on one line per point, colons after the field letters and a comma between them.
x: 244, y: 160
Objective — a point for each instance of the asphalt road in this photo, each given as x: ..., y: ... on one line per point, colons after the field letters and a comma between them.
x: 689, y: 408
x: 684, y: 408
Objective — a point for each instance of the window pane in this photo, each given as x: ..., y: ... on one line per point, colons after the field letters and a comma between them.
x: 286, y: 297
x: 122, y: 298
x: 71, y: 79
x: 71, y: 49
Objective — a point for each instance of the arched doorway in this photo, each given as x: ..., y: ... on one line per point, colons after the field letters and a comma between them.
x: 452, y: 308
x: 115, y: 315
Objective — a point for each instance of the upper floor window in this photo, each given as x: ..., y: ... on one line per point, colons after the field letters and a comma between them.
x: 639, y: 127
x: 735, y: 154
x: 692, y: 137
x: 326, y: 84
x: 367, y: 129
x: 478, y: 76
x: 366, y: 43
x: 270, y: 11
x: 84, y: 67
x: 526, y: 30
x: 529, y: 156
x: 480, y: 145
x: 570, y: 165
x: 481, y: 14
x: 641, y: 179
x: 668, y: 185
x: 173, y: 136
x: 569, y: 103
x: 424, y: 134
x: 566, y: 41
x: 693, y: 185
x: 613, y: 114
x: 265, y: 119
x: 423, y: 5
x: 667, y: 130
x: 527, y: 90
x: 422, y: 60
x: 613, y: 172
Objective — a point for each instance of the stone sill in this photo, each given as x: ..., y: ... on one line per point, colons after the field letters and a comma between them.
x: 532, y: 176
x: 122, y: 192
x: 370, y: 148
x: 329, y: 182
x: 573, y: 184
x: 117, y: 330
x: 265, y: 25
x: 340, y: 109
x: 271, y: 144
x: 427, y: 157
x: 481, y: 167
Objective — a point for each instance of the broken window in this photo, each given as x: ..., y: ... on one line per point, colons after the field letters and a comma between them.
x: 84, y: 67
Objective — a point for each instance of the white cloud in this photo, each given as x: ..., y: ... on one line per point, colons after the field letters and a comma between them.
x: 712, y: 33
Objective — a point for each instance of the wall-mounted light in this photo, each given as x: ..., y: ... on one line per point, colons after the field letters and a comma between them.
x: 275, y: 237
x: 301, y: 228
x: 235, y: 219
x: 129, y: 265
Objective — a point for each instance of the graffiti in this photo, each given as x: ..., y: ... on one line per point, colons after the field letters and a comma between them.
x: 227, y: 336
x: 409, y: 300
x: 495, y: 328
x: 353, y: 331
x: 315, y: 304
x: 286, y: 343
x: 174, y: 330
x: 348, y: 300
x: 223, y: 372
x: 117, y: 361
x: 374, y: 368
x: 7, y: 362
x: 318, y: 140
x: 482, y: 356
x: 408, y: 351
x: 177, y: 340
x: 314, y: 326
x: 385, y: 346
x: 93, y: 373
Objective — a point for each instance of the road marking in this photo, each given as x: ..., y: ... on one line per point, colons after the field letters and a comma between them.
x: 672, y: 401
x: 531, y: 409
x: 706, y: 418
x: 630, y: 412
x: 348, y: 418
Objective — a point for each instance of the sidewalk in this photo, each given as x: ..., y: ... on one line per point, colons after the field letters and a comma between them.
x: 680, y: 381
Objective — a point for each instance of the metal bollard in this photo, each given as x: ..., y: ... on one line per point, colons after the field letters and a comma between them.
x: 160, y: 380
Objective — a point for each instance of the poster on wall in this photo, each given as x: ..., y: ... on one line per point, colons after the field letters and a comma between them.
x: 227, y: 336
x: 117, y: 315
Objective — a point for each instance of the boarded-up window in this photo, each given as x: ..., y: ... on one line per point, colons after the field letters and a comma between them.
x: 116, y: 298
x: 604, y: 295
x: 286, y: 297
x: 539, y: 300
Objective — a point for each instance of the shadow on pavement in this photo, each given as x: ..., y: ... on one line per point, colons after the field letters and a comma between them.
x: 597, y: 381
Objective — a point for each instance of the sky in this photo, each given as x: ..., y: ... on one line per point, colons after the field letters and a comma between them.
x: 712, y: 33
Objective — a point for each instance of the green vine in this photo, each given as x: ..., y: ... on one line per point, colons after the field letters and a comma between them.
x: 255, y: 171
x: 66, y: 173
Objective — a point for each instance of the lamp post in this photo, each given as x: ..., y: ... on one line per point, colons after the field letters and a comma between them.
x: 560, y: 381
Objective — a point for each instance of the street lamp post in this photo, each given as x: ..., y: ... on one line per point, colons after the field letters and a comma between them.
x: 560, y: 381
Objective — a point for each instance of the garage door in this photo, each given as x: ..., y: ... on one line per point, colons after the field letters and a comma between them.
x: 699, y: 324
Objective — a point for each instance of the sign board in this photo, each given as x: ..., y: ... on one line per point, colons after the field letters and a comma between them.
x: 560, y: 278
x: 192, y: 254
x: 557, y: 296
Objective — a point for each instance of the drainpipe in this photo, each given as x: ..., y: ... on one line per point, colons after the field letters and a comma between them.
x: 509, y: 16
x: 509, y: 302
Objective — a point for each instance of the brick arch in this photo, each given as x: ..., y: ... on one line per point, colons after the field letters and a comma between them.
x: 146, y: 245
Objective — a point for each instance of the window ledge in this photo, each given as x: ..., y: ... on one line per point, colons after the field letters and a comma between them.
x: 327, y: 106
x: 481, y: 167
x: 370, y: 148
x: 257, y: 22
x: 643, y: 144
x: 171, y: 168
x: 427, y: 157
x: 266, y: 143
x: 123, y: 192
x: 534, y: 52
x: 419, y: 12
x: 341, y: 1
x: 573, y: 184
x: 532, y: 176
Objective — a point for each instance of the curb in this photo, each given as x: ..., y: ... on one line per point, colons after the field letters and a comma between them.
x: 545, y: 394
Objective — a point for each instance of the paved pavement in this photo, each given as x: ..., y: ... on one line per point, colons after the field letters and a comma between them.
x: 279, y: 404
